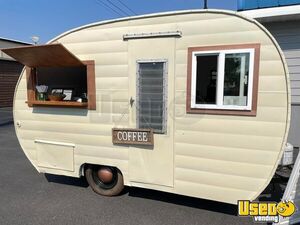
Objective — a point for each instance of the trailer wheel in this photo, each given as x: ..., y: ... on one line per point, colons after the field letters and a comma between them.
x: 104, y: 180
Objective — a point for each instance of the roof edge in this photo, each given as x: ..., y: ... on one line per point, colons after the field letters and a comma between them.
x: 150, y: 15
x: 273, y: 13
x: 15, y: 41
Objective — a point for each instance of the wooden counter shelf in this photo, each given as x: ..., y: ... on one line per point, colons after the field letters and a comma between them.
x: 69, y: 104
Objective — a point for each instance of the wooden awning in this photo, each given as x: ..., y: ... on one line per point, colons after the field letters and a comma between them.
x: 51, y: 55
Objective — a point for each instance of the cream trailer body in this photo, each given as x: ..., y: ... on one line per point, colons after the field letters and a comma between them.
x: 191, y: 102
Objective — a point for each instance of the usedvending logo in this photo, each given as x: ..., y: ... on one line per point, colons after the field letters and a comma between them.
x: 266, y: 211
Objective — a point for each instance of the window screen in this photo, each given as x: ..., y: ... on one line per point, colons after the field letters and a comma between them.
x: 151, y: 98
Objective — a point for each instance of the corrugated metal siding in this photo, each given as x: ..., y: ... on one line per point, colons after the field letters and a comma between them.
x: 287, y: 34
x: 294, y: 131
x: 9, y: 75
x: 223, y: 158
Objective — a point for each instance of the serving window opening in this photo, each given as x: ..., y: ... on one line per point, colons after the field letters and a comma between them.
x: 63, y: 84
x: 55, y: 77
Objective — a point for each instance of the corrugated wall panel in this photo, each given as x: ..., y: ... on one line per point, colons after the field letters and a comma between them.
x: 287, y: 33
x: 288, y: 36
x: 9, y: 75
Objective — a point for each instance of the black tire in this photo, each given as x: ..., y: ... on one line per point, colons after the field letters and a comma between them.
x: 107, y: 189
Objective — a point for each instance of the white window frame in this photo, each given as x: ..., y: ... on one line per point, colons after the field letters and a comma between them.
x: 220, y: 79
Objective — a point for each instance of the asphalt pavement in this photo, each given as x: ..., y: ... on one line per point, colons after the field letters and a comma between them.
x: 6, y: 116
x: 30, y: 198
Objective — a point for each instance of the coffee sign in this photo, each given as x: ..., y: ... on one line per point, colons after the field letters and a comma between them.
x: 132, y: 136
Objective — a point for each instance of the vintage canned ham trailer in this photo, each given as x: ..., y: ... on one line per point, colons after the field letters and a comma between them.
x: 191, y: 102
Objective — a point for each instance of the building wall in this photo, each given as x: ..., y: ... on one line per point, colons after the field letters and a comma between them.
x: 7, y: 44
x: 250, y: 4
x: 9, y: 75
x: 287, y: 34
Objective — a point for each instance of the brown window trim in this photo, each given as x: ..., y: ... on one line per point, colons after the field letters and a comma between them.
x: 91, y: 89
x: 253, y: 110
x: 91, y: 83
